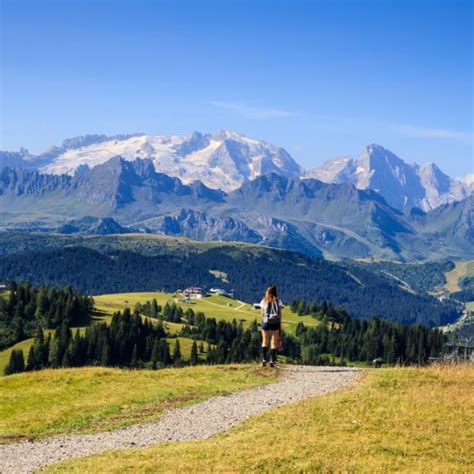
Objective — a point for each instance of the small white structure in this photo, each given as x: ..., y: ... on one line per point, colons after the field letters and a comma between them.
x: 222, y: 292
x: 256, y: 306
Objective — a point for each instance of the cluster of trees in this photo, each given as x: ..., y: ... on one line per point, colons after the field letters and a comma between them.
x: 26, y: 309
x: 350, y: 339
x: 150, y: 308
x: 128, y: 341
x: 364, y: 292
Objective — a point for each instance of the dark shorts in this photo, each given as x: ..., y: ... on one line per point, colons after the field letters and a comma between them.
x: 271, y: 326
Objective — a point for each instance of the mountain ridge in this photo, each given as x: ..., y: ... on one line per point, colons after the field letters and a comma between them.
x: 225, y: 160
x: 326, y: 220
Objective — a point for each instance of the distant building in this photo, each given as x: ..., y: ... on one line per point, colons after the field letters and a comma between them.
x: 256, y: 306
x: 194, y: 292
x: 3, y: 287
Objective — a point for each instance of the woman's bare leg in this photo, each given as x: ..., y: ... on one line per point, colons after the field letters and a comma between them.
x: 274, y: 337
x: 274, y: 345
x: 265, y: 343
x: 266, y: 335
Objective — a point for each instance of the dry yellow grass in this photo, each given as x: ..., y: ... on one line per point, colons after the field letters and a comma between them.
x: 460, y: 270
x: 92, y: 399
x: 403, y: 419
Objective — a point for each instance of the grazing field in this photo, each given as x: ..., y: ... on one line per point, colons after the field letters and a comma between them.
x: 402, y: 419
x: 219, y: 307
x: 50, y: 401
x: 462, y: 269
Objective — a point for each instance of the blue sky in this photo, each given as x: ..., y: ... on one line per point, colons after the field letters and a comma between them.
x: 321, y: 78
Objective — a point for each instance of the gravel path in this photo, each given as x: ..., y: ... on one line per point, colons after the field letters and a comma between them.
x: 199, y: 421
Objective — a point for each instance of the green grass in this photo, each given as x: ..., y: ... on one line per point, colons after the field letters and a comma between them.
x: 89, y: 399
x: 219, y: 307
x: 402, y: 419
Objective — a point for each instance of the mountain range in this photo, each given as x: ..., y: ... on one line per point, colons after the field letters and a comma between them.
x: 227, y: 159
x: 297, y: 213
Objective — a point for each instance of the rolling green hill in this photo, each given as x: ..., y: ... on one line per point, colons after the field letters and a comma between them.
x: 116, y: 264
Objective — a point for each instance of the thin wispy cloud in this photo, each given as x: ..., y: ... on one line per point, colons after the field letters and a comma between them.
x: 252, y: 112
x: 436, y: 133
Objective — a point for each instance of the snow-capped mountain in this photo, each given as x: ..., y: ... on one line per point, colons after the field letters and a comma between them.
x: 402, y: 185
x: 227, y: 160
x: 222, y: 161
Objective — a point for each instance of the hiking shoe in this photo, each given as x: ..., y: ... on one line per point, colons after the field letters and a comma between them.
x: 272, y: 364
x: 264, y: 363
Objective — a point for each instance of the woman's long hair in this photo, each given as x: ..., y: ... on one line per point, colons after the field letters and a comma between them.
x: 270, y: 294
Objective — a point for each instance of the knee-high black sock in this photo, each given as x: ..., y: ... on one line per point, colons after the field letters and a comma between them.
x: 265, y: 353
x: 273, y: 356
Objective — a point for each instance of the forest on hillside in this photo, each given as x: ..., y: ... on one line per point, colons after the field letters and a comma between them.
x: 132, y: 341
x: 27, y: 308
x: 363, y: 293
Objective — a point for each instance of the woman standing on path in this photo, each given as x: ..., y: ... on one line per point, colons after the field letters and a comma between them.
x: 271, y: 324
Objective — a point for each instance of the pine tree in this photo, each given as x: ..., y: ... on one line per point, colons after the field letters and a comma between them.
x: 54, y: 359
x: 177, y: 353
x: 194, y: 359
x: 16, y: 363
x: 105, y: 357
x: 31, y: 363
x: 155, y: 354
x: 134, y: 363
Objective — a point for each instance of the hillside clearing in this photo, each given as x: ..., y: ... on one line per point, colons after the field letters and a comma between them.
x: 404, y: 420
x: 50, y: 401
x: 461, y: 270
x: 216, y: 306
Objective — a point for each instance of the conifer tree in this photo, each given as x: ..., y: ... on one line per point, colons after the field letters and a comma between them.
x: 194, y: 359
x: 16, y: 363
x: 177, y: 353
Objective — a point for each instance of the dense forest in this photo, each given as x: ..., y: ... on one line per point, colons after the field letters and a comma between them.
x: 26, y: 309
x: 364, y: 293
x: 135, y: 342
x: 421, y: 277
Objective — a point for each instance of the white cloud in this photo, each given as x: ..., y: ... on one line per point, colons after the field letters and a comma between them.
x: 251, y: 112
x: 437, y: 133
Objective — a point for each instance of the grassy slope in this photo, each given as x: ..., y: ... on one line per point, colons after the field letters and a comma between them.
x: 213, y: 307
x: 91, y: 399
x: 404, y: 419
x: 461, y: 270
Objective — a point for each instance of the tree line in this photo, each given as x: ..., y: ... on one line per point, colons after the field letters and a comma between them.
x: 135, y: 342
x: 353, y: 340
x: 26, y: 309
x: 364, y: 292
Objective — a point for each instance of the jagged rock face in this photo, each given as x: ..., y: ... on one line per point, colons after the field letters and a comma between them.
x: 200, y: 226
x: 402, y: 185
x: 118, y: 186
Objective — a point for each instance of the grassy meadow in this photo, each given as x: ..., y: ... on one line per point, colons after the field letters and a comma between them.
x: 90, y: 399
x: 461, y: 269
x: 398, y: 419
x: 219, y: 307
